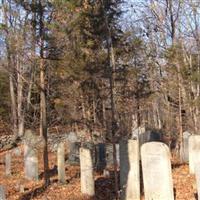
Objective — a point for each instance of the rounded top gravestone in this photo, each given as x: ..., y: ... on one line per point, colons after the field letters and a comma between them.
x: 156, y: 167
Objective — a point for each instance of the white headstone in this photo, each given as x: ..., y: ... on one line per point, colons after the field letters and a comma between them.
x: 129, y: 170
x: 30, y: 162
x: 61, y: 162
x: 2, y: 193
x: 8, y: 163
x: 194, y: 152
x: 156, y: 168
x: 185, y: 150
x: 87, y: 177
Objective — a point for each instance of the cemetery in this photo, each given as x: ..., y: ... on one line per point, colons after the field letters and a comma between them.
x: 146, y: 169
x: 99, y: 99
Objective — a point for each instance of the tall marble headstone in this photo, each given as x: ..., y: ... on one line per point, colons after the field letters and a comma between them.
x: 87, y: 177
x: 129, y: 170
x: 194, y: 152
x: 30, y: 155
x: 156, y: 168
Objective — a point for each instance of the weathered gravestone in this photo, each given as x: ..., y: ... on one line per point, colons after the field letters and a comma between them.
x: 72, y: 137
x: 194, y: 152
x: 16, y: 151
x: 8, y: 163
x: 73, y: 145
x: 100, y: 156
x: 109, y: 154
x: 144, y: 135
x: 73, y: 157
x: 137, y: 132
x: 185, y: 149
x: 61, y: 162
x: 156, y: 168
x: 2, y: 193
x: 129, y: 170
x: 87, y: 177
x: 30, y: 155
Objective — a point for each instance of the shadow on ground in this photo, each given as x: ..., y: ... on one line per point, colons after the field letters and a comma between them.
x: 33, y: 193
x: 105, y: 188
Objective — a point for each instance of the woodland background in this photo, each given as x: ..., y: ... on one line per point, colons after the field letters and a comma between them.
x: 108, y: 66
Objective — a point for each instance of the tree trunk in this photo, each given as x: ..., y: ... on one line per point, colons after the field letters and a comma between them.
x: 20, y: 114
x: 13, y: 106
x: 43, y: 122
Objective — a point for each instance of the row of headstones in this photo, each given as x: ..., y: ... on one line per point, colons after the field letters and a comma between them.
x: 156, y: 169
x: 155, y: 165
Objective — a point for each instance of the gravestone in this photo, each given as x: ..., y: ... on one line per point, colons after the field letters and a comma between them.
x: 194, y: 152
x: 61, y: 162
x: 17, y: 151
x: 144, y: 135
x: 87, y: 177
x: 30, y: 155
x: 129, y: 170
x: 100, y: 156
x: 185, y: 149
x: 2, y: 193
x: 156, y: 168
x: 197, y: 176
x: 8, y: 163
x: 72, y: 137
x: 137, y: 132
x: 109, y: 154
x: 73, y: 157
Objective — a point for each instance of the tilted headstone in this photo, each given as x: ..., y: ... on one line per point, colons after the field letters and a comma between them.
x: 129, y: 170
x: 61, y: 162
x: 30, y: 155
x: 194, y: 152
x: 8, y: 163
x: 87, y: 177
x: 185, y: 148
x: 2, y: 193
x: 156, y: 168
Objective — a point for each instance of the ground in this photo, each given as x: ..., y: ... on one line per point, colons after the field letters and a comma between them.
x: 184, y: 183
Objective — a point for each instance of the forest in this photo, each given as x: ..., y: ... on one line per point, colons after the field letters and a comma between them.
x: 99, y: 99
